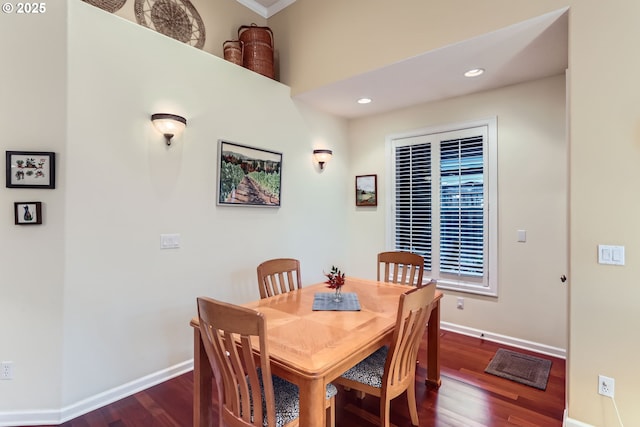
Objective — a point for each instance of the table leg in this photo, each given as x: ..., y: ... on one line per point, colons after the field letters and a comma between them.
x: 312, y: 403
x: 202, y: 384
x: 433, y: 348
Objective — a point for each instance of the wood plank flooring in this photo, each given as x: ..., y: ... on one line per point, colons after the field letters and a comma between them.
x: 468, y: 397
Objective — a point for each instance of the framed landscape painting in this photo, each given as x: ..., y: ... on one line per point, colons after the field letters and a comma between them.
x: 367, y: 190
x: 248, y: 176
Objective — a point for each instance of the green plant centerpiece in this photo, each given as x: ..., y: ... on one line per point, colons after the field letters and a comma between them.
x: 335, y: 280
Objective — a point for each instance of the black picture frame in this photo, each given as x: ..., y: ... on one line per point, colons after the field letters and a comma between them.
x: 366, y: 190
x: 31, y: 169
x: 248, y: 176
x: 27, y: 213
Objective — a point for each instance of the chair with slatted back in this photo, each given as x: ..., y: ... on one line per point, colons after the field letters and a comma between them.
x: 400, y: 267
x: 227, y: 331
x: 279, y: 275
x: 390, y: 371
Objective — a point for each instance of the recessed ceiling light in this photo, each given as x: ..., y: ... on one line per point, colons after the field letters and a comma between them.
x: 474, y: 72
x: 364, y: 100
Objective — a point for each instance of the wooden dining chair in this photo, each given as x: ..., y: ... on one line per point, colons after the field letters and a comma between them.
x: 279, y: 275
x: 401, y: 267
x: 391, y: 370
x: 243, y: 375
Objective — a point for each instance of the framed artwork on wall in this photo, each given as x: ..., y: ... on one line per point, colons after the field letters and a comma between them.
x: 31, y: 169
x: 367, y: 190
x: 27, y: 213
x: 248, y: 176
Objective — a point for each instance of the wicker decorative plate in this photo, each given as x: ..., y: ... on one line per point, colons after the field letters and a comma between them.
x: 108, y: 5
x: 177, y: 19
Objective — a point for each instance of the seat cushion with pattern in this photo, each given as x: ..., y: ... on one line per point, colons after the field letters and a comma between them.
x: 287, y: 397
x: 370, y: 370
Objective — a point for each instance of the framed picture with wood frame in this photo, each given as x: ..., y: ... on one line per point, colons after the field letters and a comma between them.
x: 27, y: 213
x: 31, y: 169
x: 367, y: 190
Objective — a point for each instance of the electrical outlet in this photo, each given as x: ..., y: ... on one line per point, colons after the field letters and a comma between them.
x: 460, y: 303
x: 606, y: 386
x: 6, y: 370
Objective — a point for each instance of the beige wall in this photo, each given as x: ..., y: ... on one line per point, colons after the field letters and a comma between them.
x: 332, y: 40
x: 32, y: 118
x: 532, y: 195
x: 605, y: 149
x: 324, y: 42
x: 92, y: 301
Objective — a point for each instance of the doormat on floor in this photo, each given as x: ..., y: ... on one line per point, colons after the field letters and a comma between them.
x: 529, y: 370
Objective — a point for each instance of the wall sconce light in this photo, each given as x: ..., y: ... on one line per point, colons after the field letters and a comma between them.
x: 168, y: 124
x: 322, y: 156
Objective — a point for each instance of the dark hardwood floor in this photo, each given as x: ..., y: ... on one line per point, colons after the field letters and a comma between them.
x: 468, y: 397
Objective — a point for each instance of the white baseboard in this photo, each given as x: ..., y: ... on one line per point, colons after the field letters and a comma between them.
x: 569, y: 422
x: 31, y: 418
x: 55, y: 417
x: 503, y: 339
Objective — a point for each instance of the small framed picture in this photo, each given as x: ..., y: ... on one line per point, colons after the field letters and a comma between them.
x: 31, y: 169
x: 367, y: 190
x: 27, y: 213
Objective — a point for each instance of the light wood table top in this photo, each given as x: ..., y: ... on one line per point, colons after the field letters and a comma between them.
x: 311, y: 348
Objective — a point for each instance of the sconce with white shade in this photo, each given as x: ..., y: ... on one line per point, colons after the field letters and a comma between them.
x: 322, y: 156
x: 169, y: 125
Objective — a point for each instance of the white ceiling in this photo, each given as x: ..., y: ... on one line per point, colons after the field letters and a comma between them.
x: 522, y: 52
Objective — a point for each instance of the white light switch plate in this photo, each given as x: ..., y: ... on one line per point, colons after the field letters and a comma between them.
x: 612, y: 255
x: 169, y: 241
x: 522, y: 236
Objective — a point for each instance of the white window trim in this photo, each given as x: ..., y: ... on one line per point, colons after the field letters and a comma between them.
x: 492, y: 185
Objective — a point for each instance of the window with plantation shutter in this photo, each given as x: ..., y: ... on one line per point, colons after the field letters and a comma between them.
x: 443, y: 203
x: 413, y: 200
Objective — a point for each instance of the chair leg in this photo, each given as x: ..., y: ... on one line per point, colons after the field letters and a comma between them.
x: 331, y: 412
x: 385, y: 410
x: 411, y: 400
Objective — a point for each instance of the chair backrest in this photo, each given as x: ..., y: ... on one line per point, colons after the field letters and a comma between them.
x: 406, y: 268
x: 277, y: 276
x: 227, y: 331
x: 413, y: 314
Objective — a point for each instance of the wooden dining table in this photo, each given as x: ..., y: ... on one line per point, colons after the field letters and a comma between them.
x: 311, y: 348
